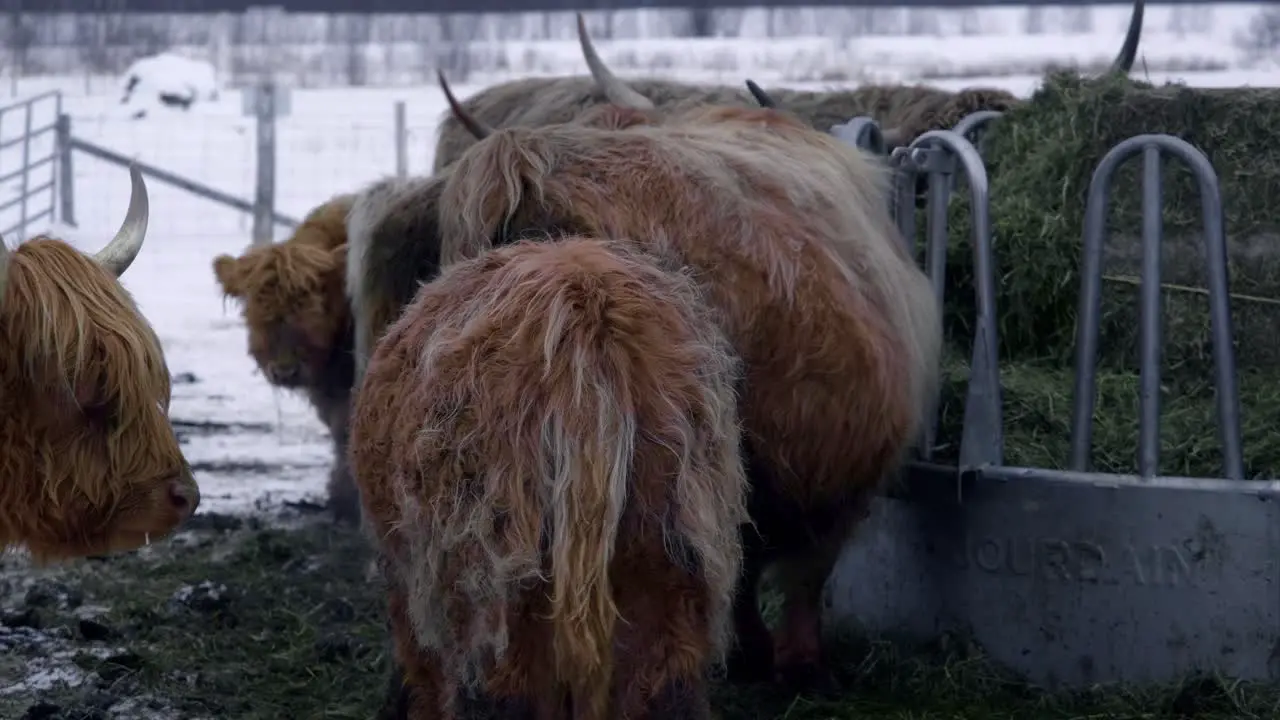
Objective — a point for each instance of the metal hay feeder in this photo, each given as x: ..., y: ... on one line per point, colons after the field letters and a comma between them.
x: 1073, y: 577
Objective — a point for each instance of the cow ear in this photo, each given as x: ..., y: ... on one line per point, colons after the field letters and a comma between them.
x: 227, y: 272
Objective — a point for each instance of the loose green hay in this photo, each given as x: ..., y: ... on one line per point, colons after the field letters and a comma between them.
x: 241, y: 621
x: 1040, y: 159
x: 1037, y: 420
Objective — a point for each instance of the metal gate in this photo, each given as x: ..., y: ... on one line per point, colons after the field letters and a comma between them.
x: 27, y: 168
x: 1072, y: 577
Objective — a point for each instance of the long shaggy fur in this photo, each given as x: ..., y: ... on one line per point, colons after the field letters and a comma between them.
x: 547, y: 444
x: 788, y: 230
x: 535, y: 102
x: 394, y: 235
x: 300, y: 334
x: 89, y: 460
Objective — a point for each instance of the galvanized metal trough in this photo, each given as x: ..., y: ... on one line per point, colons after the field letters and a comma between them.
x: 1072, y: 577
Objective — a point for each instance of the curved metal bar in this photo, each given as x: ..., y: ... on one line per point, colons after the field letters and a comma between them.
x: 1088, y: 322
x: 863, y: 132
x: 975, y: 121
x: 982, y: 443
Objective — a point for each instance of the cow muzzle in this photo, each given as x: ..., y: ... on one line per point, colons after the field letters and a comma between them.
x: 286, y: 374
x: 184, y: 496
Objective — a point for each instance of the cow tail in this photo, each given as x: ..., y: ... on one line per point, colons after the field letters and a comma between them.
x: 590, y: 448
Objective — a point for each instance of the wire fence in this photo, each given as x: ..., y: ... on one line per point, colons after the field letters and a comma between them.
x: 252, y: 174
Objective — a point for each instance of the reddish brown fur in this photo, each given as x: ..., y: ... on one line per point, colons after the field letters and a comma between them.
x: 90, y: 463
x: 547, y: 451
x: 295, y: 307
x: 788, y: 230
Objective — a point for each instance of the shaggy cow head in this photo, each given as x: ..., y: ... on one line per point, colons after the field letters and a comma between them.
x: 90, y: 462
x: 293, y: 297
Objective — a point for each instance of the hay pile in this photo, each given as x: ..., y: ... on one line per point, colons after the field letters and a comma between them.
x: 1040, y: 158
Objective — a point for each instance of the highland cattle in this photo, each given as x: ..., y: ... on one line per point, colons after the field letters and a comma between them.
x: 90, y: 463
x: 547, y: 447
x: 293, y: 300
x: 789, y: 233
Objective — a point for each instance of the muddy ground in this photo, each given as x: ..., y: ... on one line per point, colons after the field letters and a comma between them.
x: 272, y: 618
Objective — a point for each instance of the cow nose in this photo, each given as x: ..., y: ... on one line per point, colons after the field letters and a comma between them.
x: 282, y: 372
x: 184, y: 496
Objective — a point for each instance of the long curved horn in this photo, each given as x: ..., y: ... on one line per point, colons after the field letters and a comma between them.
x: 1129, y: 50
x: 760, y: 95
x: 613, y: 88
x: 478, y: 129
x: 119, y: 254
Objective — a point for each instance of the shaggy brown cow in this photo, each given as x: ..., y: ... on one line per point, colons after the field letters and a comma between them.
x: 294, y: 303
x: 90, y: 462
x: 547, y: 449
x: 789, y: 231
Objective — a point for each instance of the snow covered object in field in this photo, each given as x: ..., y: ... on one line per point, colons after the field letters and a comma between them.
x: 167, y: 80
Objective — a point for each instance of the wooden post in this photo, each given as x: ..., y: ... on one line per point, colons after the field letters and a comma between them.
x: 264, y: 199
x: 66, y: 176
x: 402, y: 142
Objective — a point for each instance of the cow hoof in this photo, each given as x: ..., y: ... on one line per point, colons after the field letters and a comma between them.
x: 808, y: 679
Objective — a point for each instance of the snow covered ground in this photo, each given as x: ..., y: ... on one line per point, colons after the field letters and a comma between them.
x: 335, y: 141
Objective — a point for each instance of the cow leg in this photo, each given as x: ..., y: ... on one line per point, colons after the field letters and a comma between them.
x: 397, y: 700
x: 751, y: 659
x: 419, y: 694
x: 798, y: 642
x: 344, y: 496
x: 521, y: 684
x: 664, y: 641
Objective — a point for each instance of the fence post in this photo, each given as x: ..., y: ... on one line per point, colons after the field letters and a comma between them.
x: 66, y: 176
x: 264, y: 200
x: 25, y: 182
x: 402, y: 142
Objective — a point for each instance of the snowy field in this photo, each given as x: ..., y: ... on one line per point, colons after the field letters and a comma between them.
x: 336, y: 141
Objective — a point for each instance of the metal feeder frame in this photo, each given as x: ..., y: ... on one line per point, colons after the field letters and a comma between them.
x: 1070, y: 577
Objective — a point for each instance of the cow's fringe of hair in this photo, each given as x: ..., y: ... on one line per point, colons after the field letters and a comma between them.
x: 285, y: 271
x: 746, y: 153
x: 296, y: 267
x: 576, y: 443
x: 72, y: 322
